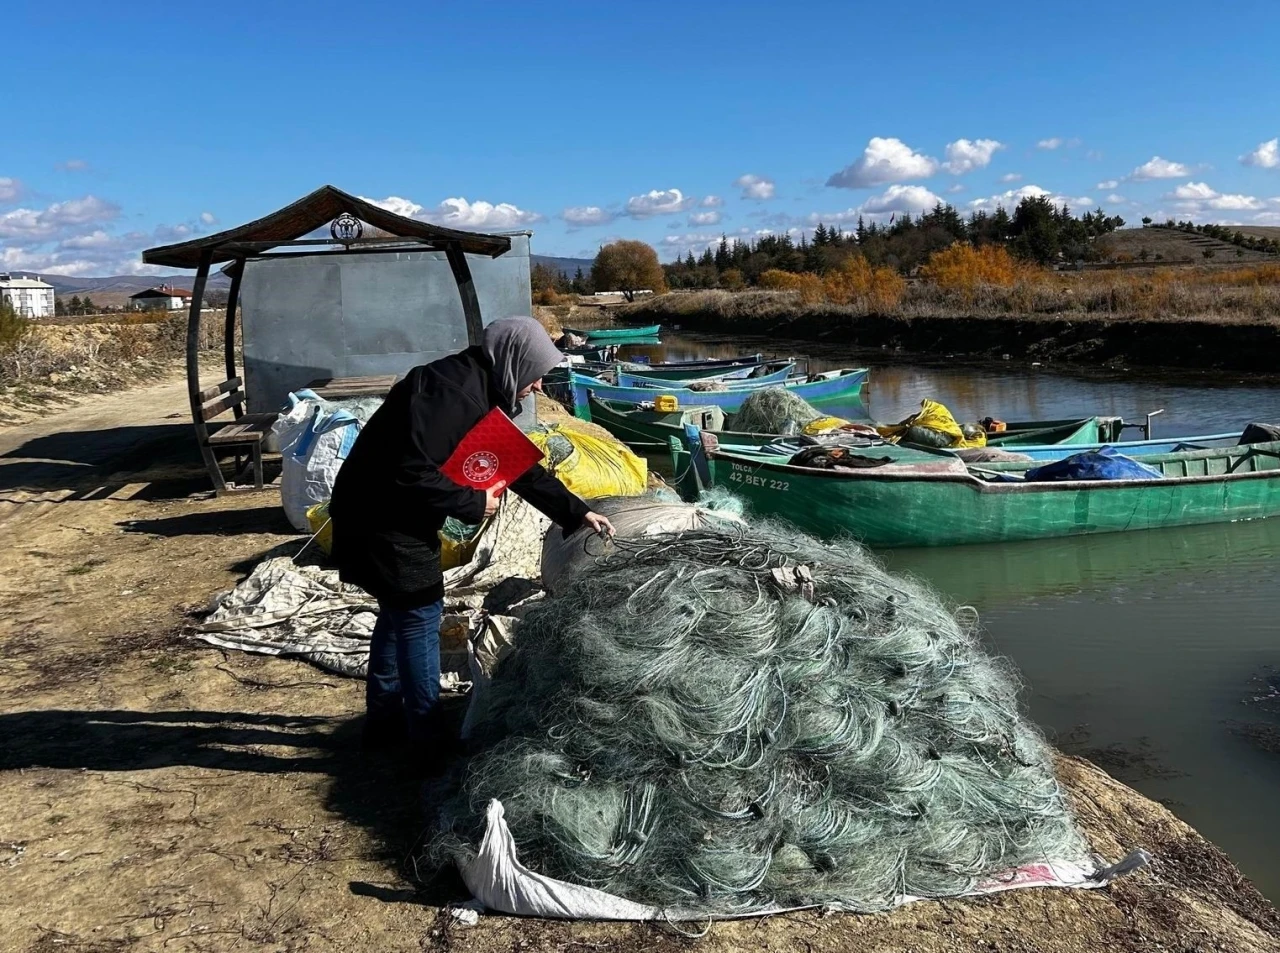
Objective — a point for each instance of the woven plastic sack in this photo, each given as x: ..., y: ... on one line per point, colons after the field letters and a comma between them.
x: 321, y: 528
x: 593, y: 467
x: 456, y: 549
x: 313, y: 446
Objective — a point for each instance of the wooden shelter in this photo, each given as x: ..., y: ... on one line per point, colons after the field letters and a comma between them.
x: 282, y: 233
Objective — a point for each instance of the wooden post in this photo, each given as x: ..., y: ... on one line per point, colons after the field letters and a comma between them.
x: 467, y: 291
x: 193, y: 372
x: 229, y: 340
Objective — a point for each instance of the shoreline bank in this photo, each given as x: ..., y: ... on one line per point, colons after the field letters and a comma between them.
x: 1179, y: 343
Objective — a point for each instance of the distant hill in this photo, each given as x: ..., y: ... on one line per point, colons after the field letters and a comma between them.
x: 131, y: 284
x: 114, y: 290
x: 125, y: 284
x: 1173, y: 245
x: 569, y: 266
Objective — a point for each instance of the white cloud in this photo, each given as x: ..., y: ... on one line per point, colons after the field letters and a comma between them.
x: 692, y: 238
x: 1009, y: 200
x: 1054, y: 143
x: 459, y: 213
x: 73, y: 165
x: 659, y: 202
x: 712, y: 201
x: 1193, y: 191
x: 698, y: 219
x: 208, y: 218
x: 965, y: 155
x: 953, y: 189
x: 884, y: 160
x: 1108, y: 184
x: 754, y: 187
x: 1114, y: 199
x: 1198, y: 199
x: 10, y: 189
x: 901, y: 198
x: 1010, y: 177
x: 584, y: 215
x: 1158, y: 168
x: 1266, y: 156
x: 1236, y: 203
x: 43, y: 224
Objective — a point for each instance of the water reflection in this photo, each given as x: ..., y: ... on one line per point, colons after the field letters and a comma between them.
x: 995, y: 574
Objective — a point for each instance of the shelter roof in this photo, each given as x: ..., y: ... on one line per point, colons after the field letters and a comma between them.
x: 306, y: 215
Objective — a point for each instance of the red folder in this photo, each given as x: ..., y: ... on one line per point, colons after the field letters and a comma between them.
x: 493, y: 454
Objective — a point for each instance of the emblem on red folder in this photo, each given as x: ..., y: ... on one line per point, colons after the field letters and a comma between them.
x: 493, y: 454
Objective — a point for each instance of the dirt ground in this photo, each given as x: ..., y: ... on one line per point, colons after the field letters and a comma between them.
x: 157, y: 794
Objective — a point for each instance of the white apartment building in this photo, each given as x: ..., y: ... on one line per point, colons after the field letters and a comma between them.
x: 29, y: 296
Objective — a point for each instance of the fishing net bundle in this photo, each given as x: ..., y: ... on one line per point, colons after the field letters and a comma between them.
x: 774, y: 410
x: 697, y: 724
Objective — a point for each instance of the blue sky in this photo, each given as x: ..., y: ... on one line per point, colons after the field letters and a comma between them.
x: 135, y: 124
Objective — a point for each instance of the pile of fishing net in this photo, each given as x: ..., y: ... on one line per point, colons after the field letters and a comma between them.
x: 739, y: 718
x: 774, y: 410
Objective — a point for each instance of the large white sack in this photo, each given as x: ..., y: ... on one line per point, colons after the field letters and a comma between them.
x: 313, y: 446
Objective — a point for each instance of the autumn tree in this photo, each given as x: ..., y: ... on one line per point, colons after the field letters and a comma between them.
x: 628, y: 266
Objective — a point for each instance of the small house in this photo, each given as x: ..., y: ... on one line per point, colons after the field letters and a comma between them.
x: 160, y: 298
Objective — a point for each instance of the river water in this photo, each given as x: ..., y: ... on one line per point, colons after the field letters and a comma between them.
x: 1138, y: 649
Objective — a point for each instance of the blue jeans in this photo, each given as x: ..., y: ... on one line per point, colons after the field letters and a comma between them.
x: 403, y: 685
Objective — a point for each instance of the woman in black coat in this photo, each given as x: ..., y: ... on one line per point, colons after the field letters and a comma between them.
x: 390, y: 500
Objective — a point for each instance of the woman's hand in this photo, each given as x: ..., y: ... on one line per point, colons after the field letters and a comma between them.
x: 491, y: 498
x: 599, y: 524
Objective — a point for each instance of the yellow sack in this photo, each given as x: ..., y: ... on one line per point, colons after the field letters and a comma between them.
x: 321, y: 528
x: 934, y: 416
x: 824, y: 425
x: 458, y: 552
x: 595, y: 467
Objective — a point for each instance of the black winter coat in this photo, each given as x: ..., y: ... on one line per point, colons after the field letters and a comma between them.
x: 390, y: 498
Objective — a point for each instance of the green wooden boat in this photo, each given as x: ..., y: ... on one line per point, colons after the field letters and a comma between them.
x: 617, y: 334
x: 653, y: 430
x: 945, y: 503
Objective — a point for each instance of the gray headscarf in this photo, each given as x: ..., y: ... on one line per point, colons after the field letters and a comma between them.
x: 521, y: 352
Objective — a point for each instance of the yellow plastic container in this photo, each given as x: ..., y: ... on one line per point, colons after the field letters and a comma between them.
x: 666, y: 403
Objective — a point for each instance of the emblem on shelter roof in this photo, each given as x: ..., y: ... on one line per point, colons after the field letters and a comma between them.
x: 346, y: 228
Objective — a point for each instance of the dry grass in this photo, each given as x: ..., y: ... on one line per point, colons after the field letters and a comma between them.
x: 92, y: 355
x: 1240, y: 295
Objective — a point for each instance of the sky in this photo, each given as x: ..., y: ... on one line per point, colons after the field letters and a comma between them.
x: 134, y: 124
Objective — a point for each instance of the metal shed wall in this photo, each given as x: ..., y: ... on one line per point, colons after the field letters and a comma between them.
x: 352, y: 315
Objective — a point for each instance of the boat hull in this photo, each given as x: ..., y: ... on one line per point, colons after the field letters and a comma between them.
x: 617, y: 334
x: 843, y: 387
x: 896, y: 507
x: 732, y: 378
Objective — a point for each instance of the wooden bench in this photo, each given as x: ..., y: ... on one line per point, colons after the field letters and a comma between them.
x: 246, y: 431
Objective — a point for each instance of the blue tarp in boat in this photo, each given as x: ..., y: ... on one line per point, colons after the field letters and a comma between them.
x: 1106, y: 463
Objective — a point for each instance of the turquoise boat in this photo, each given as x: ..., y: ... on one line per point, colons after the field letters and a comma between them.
x: 617, y: 334
x: 773, y: 372
x: 943, y: 502
x: 842, y: 385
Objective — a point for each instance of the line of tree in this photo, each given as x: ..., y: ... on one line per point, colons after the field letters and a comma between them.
x: 1037, y: 231
x: 1223, y: 233
x: 76, y: 305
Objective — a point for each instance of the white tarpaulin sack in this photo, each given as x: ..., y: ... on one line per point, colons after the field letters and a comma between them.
x: 313, y: 445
